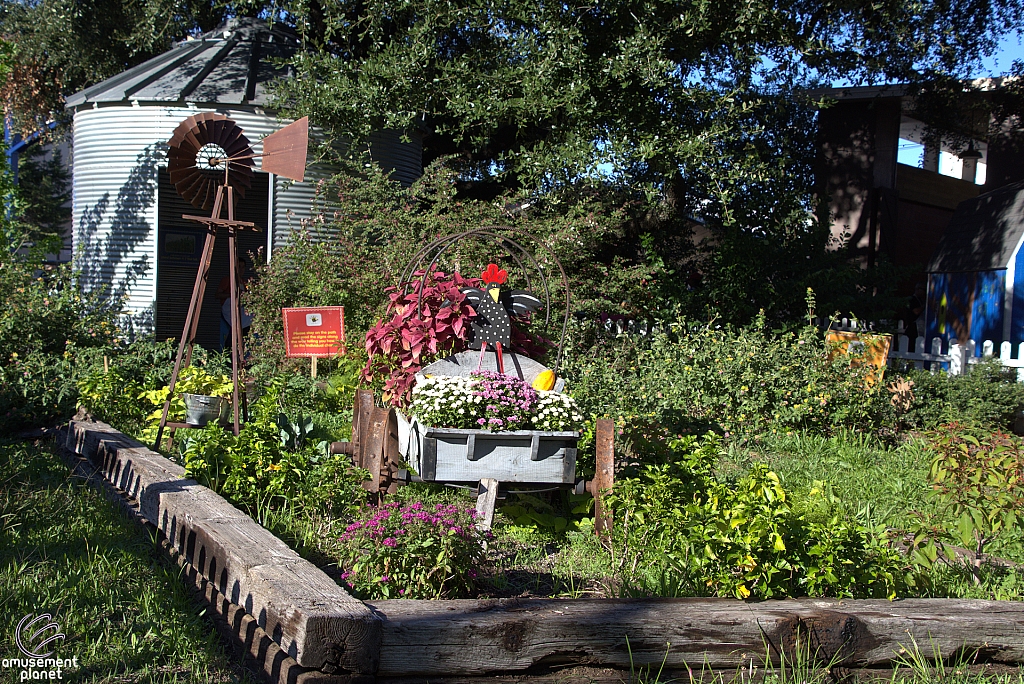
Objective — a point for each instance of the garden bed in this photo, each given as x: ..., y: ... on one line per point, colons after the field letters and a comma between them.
x: 320, y: 628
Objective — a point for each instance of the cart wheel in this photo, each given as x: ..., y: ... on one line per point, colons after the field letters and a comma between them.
x: 604, y: 475
x: 362, y: 411
x: 380, y: 451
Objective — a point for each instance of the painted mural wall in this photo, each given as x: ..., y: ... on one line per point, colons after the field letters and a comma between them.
x: 966, y: 306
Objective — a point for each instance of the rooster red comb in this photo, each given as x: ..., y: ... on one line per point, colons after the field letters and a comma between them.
x: 494, y: 275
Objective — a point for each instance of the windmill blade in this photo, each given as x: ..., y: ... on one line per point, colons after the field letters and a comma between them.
x: 284, y: 152
x: 184, y: 177
x: 237, y: 144
x: 239, y: 180
x: 197, y: 173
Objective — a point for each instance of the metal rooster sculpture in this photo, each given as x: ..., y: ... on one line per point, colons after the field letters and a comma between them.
x: 494, y: 309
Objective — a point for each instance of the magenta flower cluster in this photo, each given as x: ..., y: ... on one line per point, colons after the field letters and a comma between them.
x: 382, y: 527
x: 411, y: 551
x: 508, y: 401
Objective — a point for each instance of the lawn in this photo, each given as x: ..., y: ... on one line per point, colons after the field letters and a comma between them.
x: 67, y: 551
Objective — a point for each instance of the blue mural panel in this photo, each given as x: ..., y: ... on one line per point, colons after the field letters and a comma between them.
x: 1017, y: 314
x: 966, y: 306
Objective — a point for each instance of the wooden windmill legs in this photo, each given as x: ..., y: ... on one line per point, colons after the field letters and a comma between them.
x: 236, y: 316
x: 188, y: 335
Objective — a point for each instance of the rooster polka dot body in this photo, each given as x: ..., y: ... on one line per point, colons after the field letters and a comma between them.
x: 491, y: 325
x: 494, y: 309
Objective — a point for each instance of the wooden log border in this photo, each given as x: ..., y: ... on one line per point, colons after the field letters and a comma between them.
x: 311, y: 618
x: 258, y: 653
x: 319, y: 625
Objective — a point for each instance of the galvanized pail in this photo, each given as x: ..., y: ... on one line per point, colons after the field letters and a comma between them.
x: 201, y: 409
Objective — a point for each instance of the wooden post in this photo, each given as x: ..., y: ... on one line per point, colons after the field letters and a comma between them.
x: 312, y: 367
x: 236, y: 314
x: 106, y: 365
x: 487, y: 496
x: 604, y: 476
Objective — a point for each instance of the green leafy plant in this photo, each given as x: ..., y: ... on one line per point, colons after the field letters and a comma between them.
x: 113, y: 380
x: 273, y: 462
x: 978, y: 488
x: 207, y: 455
x: 47, y: 326
x: 532, y: 512
x: 191, y: 380
x: 412, y: 551
x: 689, y: 377
x: 680, y: 530
x: 987, y: 395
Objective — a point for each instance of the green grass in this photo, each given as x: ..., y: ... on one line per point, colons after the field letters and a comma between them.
x: 882, y: 484
x: 68, y: 551
x: 867, y: 476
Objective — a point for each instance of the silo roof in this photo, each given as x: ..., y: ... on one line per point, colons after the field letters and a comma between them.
x: 983, y: 233
x: 230, y: 65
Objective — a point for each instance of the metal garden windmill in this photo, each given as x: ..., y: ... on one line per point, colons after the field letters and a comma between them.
x: 210, y: 163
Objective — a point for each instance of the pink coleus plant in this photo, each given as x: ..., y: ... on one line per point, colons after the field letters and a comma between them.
x: 418, y: 328
x: 413, y: 335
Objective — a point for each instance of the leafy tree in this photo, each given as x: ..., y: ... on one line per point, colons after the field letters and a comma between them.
x: 694, y: 115
x: 62, y: 46
x: 44, y: 185
x: 662, y: 90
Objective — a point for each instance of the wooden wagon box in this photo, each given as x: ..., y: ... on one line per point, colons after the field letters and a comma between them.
x: 456, y: 455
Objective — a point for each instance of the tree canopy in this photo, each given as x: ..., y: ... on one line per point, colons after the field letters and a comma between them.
x: 688, y: 113
x: 57, y: 47
x: 541, y: 92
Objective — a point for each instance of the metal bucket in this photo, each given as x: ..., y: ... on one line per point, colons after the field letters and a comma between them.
x: 201, y: 409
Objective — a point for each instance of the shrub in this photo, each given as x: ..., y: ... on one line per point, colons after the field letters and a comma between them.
x: 689, y: 378
x: 682, y: 531
x: 977, y: 483
x: 987, y: 395
x: 411, y: 551
x: 366, y: 229
x: 113, y: 393
x: 45, y: 327
x: 274, y: 461
x: 308, y: 272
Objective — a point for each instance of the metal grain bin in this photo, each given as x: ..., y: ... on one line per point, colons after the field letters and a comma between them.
x: 121, y: 127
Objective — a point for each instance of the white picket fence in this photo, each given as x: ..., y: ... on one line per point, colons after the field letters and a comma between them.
x: 954, y: 358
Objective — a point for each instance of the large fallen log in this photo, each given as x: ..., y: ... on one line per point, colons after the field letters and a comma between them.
x: 479, y: 637
x: 307, y: 614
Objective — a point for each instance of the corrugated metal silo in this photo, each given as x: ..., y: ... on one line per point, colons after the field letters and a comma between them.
x: 121, y: 127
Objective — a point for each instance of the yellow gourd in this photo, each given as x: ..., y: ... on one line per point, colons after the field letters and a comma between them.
x: 544, y: 381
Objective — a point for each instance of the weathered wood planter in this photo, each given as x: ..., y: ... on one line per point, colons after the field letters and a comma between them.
x: 524, y: 456
x: 300, y: 625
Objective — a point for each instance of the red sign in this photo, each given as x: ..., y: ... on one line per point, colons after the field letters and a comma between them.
x: 318, y: 331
